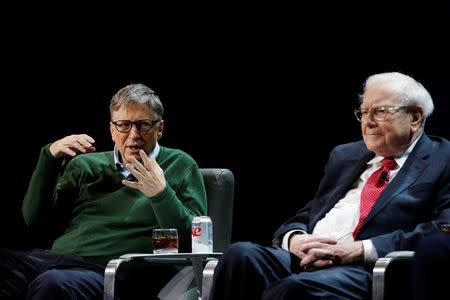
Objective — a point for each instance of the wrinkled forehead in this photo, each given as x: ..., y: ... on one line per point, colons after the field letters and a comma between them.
x: 133, y: 111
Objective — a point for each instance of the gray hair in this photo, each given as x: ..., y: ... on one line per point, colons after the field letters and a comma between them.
x: 410, y: 91
x: 137, y: 93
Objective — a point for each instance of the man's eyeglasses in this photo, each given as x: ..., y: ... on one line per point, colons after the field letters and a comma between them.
x: 379, y: 113
x: 125, y: 126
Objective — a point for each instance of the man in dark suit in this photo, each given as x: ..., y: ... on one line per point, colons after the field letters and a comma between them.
x: 378, y: 195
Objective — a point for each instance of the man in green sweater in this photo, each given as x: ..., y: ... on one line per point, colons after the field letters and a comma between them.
x: 109, y: 202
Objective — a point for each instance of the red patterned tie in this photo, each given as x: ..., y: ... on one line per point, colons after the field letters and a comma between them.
x: 376, y: 183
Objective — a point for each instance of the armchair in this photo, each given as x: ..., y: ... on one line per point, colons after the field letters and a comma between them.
x: 391, y: 276
x: 219, y: 184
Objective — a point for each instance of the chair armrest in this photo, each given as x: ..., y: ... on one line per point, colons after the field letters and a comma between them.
x: 208, y: 274
x: 398, y: 262
x: 110, y: 278
x: 407, y: 255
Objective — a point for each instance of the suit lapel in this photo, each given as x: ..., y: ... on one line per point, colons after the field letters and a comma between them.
x: 413, y: 167
x: 355, y: 167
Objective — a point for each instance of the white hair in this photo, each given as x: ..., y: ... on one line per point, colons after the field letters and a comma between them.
x: 411, y: 92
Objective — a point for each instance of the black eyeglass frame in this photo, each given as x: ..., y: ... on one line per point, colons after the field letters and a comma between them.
x: 137, y: 123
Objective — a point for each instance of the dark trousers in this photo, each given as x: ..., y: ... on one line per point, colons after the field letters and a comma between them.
x: 431, y: 267
x: 249, y: 271
x: 41, y: 274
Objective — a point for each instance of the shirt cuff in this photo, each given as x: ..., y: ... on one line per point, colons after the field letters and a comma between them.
x: 370, y: 253
x: 287, y: 236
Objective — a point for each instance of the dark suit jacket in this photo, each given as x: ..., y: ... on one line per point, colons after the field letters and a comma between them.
x: 414, y: 203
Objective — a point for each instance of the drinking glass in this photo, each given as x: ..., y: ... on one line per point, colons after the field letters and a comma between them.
x: 165, y: 240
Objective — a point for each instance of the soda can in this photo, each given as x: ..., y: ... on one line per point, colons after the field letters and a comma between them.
x: 202, y: 235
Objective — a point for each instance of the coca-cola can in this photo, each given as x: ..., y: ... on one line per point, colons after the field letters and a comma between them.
x: 202, y: 235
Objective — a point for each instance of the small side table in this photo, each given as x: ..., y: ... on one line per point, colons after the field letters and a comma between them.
x: 197, y: 260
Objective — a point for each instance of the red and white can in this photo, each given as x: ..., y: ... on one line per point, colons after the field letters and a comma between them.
x: 202, y: 235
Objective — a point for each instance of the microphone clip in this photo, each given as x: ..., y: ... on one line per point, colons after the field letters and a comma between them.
x: 384, y: 176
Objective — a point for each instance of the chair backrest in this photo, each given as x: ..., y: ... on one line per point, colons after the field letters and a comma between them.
x: 219, y: 184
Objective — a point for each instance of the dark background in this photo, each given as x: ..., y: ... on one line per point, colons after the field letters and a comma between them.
x: 263, y: 91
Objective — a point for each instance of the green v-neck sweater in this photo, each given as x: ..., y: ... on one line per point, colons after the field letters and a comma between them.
x: 105, y: 219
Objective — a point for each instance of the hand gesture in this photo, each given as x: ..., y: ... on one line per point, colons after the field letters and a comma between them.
x: 149, y: 175
x: 303, y: 245
x: 319, y: 252
x: 72, y: 145
x: 340, y: 253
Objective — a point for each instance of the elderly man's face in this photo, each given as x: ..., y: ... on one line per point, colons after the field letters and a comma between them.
x: 129, y: 143
x: 392, y: 135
